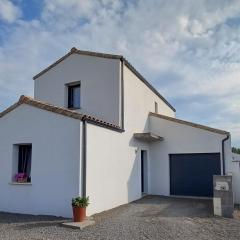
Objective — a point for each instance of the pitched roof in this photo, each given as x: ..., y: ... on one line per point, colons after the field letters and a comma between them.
x: 58, y: 110
x: 110, y: 56
x: 195, y: 125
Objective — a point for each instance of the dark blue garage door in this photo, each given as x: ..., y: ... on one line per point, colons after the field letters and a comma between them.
x: 192, y: 174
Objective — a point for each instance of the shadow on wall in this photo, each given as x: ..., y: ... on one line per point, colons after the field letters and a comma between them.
x: 134, y: 181
x: 236, y: 187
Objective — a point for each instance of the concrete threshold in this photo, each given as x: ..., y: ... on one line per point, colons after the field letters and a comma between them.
x: 191, y: 197
x: 79, y: 225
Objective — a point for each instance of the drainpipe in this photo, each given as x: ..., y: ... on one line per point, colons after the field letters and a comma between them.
x: 223, y: 153
x: 84, y: 156
x: 122, y: 94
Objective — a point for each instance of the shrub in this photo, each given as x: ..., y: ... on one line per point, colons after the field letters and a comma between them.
x: 80, y: 202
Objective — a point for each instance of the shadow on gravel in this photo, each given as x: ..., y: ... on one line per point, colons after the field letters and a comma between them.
x: 30, y: 226
x: 26, y: 218
x: 156, y: 206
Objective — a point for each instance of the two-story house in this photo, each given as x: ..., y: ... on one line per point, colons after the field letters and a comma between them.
x: 96, y: 127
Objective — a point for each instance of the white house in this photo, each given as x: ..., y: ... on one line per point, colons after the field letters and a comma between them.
x: 96, y: 127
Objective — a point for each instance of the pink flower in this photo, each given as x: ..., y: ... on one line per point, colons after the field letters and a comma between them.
x: 20, y: 177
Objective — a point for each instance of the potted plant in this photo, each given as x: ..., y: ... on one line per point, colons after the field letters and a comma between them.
x: 79, y: 205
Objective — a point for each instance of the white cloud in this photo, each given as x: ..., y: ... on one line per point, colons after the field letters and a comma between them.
x: 8, y: 11
x: 186, y: 48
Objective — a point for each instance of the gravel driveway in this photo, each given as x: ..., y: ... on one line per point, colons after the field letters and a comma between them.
x: 149, y: 218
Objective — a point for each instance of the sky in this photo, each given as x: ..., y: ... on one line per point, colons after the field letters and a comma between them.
x: 189, y: 50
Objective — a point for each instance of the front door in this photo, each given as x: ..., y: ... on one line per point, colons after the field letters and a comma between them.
x: 144, y: 177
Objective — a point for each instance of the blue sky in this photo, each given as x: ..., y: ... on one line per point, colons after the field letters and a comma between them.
x: 189, y: 50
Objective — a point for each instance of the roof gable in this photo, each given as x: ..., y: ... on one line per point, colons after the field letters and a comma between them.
x: 109, y: 56
x: 81, y: 52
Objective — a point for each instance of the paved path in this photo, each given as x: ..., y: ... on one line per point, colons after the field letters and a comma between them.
x: 149, y: 218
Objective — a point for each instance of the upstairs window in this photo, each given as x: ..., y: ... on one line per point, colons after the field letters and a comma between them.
x: 156, y: 107
x: 74, y: 96
x: 23, y: 163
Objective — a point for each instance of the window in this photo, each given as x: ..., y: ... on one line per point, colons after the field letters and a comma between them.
x: 22, y: 163
x: 74, y: 96
x: 156, y: 107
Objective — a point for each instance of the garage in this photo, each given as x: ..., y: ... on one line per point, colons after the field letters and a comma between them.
x: 192, y: 174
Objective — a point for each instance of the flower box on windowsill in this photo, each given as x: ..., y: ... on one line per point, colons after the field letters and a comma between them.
x: 21, y: 178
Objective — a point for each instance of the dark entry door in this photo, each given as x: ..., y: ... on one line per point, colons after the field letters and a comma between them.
x: 142, y: 171
x: 144, y: 176
x: 192, y: 174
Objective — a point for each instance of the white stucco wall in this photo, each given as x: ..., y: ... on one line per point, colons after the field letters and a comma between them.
x: 114, y: 159
x: 178, y: 138
x: 100, y: 85
x: 55, y: 168
x: 139, y: 100
x: 110, y: 162
x: 113, y: 168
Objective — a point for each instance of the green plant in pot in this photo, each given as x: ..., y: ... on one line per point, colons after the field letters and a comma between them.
x: 79, y: 205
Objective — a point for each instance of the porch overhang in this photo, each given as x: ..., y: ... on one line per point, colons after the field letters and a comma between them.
x: 147, y: 137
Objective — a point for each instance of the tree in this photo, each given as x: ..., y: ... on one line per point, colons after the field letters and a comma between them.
x: 236, y: 150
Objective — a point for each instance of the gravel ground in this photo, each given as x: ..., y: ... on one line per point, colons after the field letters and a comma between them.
x: 149, y: 218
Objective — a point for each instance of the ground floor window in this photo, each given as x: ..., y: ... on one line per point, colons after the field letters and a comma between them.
x: 22, y: 163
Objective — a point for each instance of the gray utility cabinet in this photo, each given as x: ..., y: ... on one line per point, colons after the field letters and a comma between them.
x: 223, y: 196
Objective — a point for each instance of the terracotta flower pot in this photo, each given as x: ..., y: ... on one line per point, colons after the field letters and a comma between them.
x: 79, y: 214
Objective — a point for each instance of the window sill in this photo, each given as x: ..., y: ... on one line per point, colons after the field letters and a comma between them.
x: 74, y: 108
x: 19, y: 183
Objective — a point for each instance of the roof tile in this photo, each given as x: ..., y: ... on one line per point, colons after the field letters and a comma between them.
x: 59, y: 110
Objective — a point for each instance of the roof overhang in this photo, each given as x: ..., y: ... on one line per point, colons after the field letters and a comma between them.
x: 191, y: 124
x: 147, y: 137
